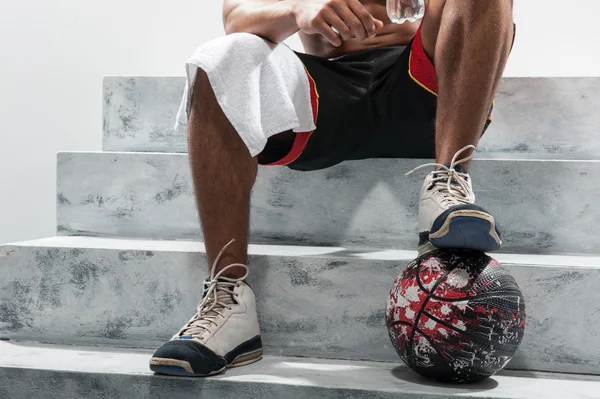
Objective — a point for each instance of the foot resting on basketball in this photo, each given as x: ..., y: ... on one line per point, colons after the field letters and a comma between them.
x: 448, y: 216
x: 223, y: 333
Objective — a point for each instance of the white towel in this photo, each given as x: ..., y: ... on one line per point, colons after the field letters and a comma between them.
x: 261, y: 87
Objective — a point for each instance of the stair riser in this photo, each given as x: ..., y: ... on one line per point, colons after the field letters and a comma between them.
x: 47, y: 384
x: 533, y: 117
x: 139, y: 114
x: 543, y: 206
x: 308, y: 306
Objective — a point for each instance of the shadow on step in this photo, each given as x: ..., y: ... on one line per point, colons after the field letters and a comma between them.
x: 549, y: 375
x: 407, y: 375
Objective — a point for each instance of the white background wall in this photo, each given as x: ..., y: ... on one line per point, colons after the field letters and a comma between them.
x: 53, y: 55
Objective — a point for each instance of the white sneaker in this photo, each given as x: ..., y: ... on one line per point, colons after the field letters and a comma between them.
x: 448, y: 216
x: 223, y: 333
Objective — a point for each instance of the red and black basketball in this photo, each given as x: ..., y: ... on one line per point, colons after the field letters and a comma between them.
x: 456, y: 316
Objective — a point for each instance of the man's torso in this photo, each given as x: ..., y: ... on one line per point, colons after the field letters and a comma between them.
x: 390, y: 35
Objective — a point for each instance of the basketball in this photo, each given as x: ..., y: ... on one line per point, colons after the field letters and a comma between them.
x: 456, y: 316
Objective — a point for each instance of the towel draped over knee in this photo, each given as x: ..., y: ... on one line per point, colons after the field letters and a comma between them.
x: 261, y: 87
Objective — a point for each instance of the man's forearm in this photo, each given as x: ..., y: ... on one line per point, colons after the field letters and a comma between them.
x: 271, y: 19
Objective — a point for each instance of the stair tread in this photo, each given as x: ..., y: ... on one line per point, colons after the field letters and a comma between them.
x: 479, y: 157
x: 558, y: 260
x: 390, y: 378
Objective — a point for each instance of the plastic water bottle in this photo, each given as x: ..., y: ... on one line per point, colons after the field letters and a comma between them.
x: 401, y: 11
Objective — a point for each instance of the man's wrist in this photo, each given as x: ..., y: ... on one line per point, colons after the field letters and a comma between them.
x: 290, y: 7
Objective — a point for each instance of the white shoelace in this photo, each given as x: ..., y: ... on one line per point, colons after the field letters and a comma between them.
x: 217, y: 297
x: 459, y: 192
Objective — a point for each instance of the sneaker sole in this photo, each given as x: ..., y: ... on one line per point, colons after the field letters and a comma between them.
x: 184, y: 369
x: 177, y: 367
x: 467, y: 229
x: 246, y: 359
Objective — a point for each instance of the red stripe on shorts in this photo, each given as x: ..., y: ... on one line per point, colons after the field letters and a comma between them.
x: 420, y: 68
x: 301, y: 138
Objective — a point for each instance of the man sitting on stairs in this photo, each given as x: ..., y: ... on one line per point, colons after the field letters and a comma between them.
x: 366, y: 88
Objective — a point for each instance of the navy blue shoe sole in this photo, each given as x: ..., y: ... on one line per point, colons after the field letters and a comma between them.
x: 179, y: 371
x: 181, y: 368
x: 468, y: 232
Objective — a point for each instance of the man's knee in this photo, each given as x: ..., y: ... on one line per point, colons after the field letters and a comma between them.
x: 454, y: 9
x: 473, y: 4
x: 464, y: 13
x: 237, y: 47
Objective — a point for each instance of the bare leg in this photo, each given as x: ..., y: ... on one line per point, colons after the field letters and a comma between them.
x: 469, y: 42
x: 224, y: 173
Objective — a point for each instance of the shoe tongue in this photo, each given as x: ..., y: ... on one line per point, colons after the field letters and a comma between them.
x: 458, y: 169
x: 207, y: 283
x: 224, y: 296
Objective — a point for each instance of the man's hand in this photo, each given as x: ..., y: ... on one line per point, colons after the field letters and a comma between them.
x: 348, y: 17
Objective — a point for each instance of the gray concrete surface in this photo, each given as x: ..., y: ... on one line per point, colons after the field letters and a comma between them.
x: 317, y: 302
x: 544, y: 207
x: 55, y: 372
x: 553, y: 118
x: 139, y: 114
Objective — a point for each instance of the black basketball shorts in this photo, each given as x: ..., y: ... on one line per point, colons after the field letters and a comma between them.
x: 374, y: 103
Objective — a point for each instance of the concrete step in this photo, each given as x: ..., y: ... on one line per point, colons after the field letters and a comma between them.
x: 139, y: 114
x: 34, y: 371
x: 544, y: 207
x: 549, y: 118
x: 313, y: 301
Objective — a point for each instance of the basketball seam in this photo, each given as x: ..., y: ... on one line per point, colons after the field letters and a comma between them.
x: 401, y: 322
x: 471, y: 335
x: 421, y: 286
x: 416, y: 322
x: 468, y: 298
